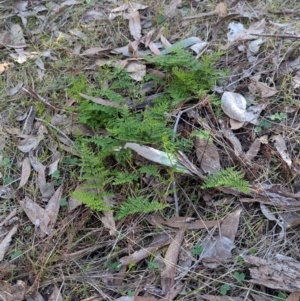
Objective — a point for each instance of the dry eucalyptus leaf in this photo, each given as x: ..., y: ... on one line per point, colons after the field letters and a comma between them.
x: 281, y: 148
x: 136, y: 70
x: 14, y: 292
x: 135, y: 27
x: 4, y: 245
x: 234, y: 105
x: 221, y: 9
x: 217, y: 249
x: 37, y: 215
x: 53, y: 206
x: 208, y: 155
x: 170, y: 260
x: 109, y: 222
x: 15, y: 89
x: 253, y: 150
x: 221, y: 298
x: 295, y: 296
x: 170, y: 9
x: 30, y: 143
x: 26, y: 170
x: 4, y: 66
x: 56, y: 295
x: 262, y: 89
x: 17, y: 36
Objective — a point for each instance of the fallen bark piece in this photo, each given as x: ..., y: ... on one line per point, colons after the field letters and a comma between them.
x: 280, y: 272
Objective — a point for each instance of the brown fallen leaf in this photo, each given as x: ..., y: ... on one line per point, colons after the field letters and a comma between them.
x: 101, y: 101
x: 208, y: 155
x: 53, y: 206
x: 217, y: 249
x: 135, y: 27
x: 280, y: 272
x: 4, y: 245
x: 14, y: 292
x: 56, y: 295
x: 295, y: 296
x: 136, y: 70
x: 170, y: 9
x: 4, y: 66
x: 30, y: 143
x: 257, y: 87
x: 183, y: 222
x: 221, y: 9
x: 158, y: 242
x: 221, y: 298
x: 170, y: 260
x: 36, y: 214
x: 109, y: 222
x: 253, y: 150
x: 26, y: 170
x: 282, y: 149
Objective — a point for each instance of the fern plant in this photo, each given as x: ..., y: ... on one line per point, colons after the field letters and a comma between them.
x: 138, y: 205
x: 228, y: 177
x: 106, y: 168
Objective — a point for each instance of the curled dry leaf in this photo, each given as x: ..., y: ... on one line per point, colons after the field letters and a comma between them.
x: 282, y: 149
x: 253, y: 150
x: 30, y: 143
x: 157, y: 156
x: 184, y: 222
x: 109, y: 222
x: 135, y: 25
x: 262, y: 89
x: 217, y: 249
x: 6, y: 241
x: 170, y: 9
x: 158, y: 242
x: 26, y: 170
x: 234, y: 105
x: 56, y: 295
x: 221, y: 9
x: 36, y: 214
x: 170, y: 260
x: 14, y: 292
x: 208, y: 155
x: 136, y: 70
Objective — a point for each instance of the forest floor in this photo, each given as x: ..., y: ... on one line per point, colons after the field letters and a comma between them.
x: 185, y: 115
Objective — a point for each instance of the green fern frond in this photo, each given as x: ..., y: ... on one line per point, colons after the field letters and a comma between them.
x: 91, y: 199
x: 150, y: 169
x: 229, y: 178
x: 138, y: 205
x: 125, y: 178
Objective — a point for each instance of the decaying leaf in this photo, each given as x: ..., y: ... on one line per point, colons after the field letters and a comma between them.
x: 53, y: 205
x: 101, y: 101
x: 217, y: 249
x: 171, y: 8
x: 56, y: 295
x: 262, y: 89
x: 3, y: 67
x: 26, y: 170
x: 157, y: 156
x: 136, y: 70
x: 253, y: 150
x: 208, y: 155
x: 282, y: 149
x: 221, y: 298
x: 184, y: 222
x: 14, y: 292
x: 158, y: 242
x: 234, y: 105
x: 221, y: 9
x: 280, y: 272
x: 295, y: 296
x: 135, y: 24
x: 109, y: 222
x: 170, y: 260
x: 6, y: 241
x: 30, y: 143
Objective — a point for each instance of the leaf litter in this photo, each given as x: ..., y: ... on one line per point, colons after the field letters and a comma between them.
x: 38, y: 169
